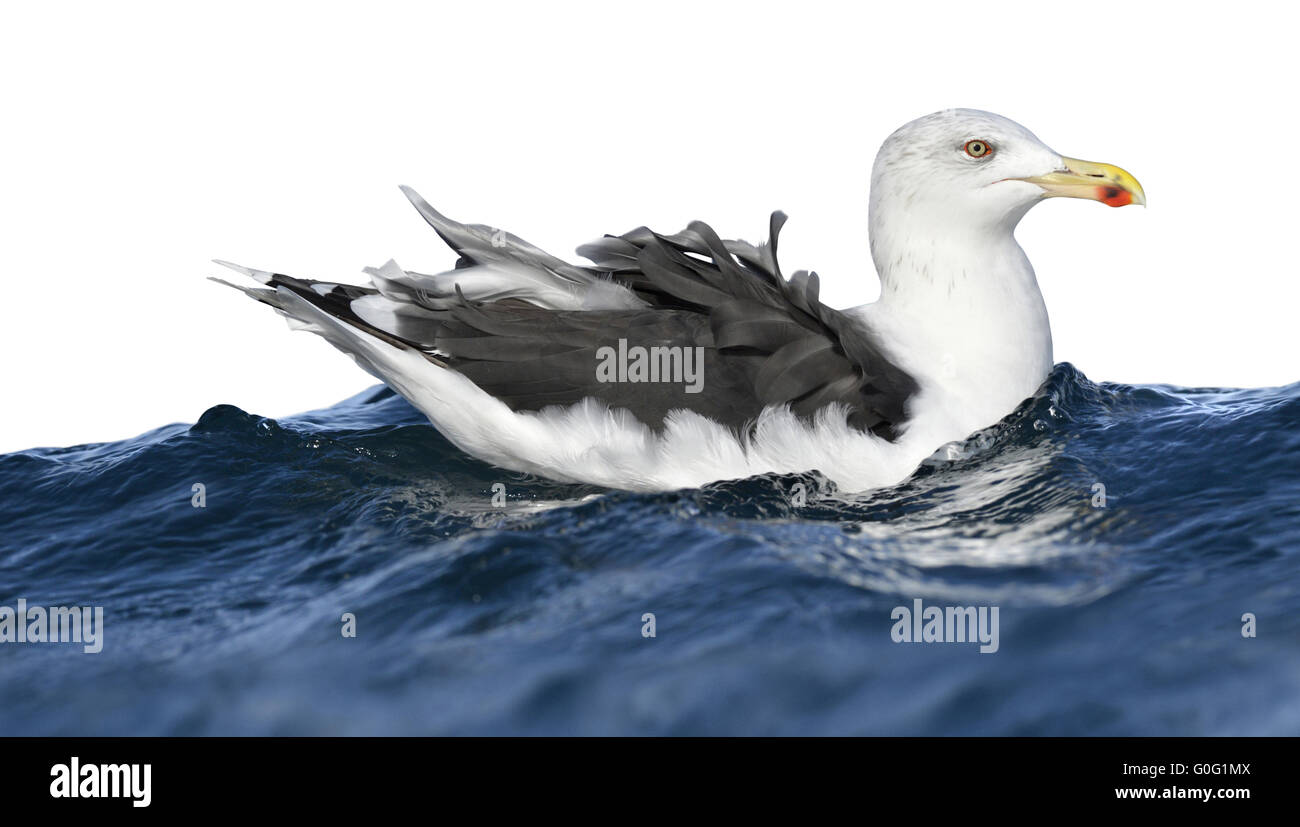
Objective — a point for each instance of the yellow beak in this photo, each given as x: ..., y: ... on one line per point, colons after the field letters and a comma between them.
x: 1098, y: 182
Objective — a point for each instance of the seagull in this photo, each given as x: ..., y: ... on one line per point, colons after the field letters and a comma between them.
x: 672, y: 361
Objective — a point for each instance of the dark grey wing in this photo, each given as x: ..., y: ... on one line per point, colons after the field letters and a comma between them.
x: 763, y: 339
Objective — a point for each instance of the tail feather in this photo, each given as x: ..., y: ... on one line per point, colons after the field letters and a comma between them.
x: 290, y: 295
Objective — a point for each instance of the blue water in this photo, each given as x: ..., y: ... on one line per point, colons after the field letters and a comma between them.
x: 771, y: 618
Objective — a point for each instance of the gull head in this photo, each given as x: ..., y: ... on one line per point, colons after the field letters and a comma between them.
x: 963, y: 169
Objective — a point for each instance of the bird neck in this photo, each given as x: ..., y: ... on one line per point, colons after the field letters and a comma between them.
x: 963, y: 304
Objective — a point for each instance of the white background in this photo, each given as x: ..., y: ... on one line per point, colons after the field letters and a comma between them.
x: 142, y: 139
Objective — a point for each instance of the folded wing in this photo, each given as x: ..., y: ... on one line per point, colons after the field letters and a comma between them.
x: 533, y: 330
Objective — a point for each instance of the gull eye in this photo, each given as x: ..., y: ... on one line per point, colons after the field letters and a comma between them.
x: 978, y: 149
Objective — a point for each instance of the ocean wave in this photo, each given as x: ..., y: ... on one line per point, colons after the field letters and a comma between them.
x: 487, y: 601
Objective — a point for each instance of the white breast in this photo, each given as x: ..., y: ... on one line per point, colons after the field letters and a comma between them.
x: 965, y: 317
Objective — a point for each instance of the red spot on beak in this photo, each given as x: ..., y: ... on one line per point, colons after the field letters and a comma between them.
x: 1114, y: 196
